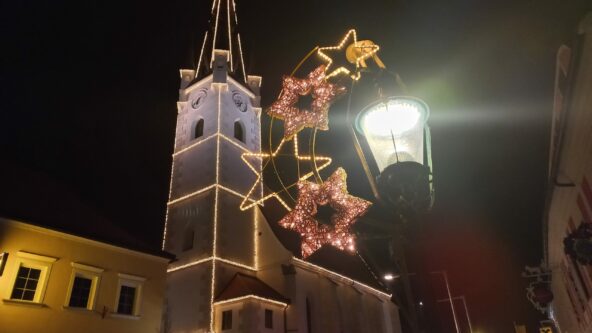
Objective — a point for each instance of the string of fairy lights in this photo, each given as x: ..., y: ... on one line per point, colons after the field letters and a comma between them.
x: 253, y: 297
x: 331, y: 191
x: 302, y: 218
x: 248, y: 202
x: 366, y: 50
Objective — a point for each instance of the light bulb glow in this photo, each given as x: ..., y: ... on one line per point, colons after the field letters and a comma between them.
x: 395, y: 116
x: 394, y: 130
x: 389, y: 277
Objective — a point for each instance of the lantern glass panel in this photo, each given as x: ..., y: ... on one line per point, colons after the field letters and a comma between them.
x: 394, y: 130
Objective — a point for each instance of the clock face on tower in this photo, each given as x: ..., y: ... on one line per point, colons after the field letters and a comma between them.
x: 240, y: 101
x: 199, y: 98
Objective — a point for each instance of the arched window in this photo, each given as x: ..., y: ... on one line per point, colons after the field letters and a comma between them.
x: 239, y: 132
x: 188, y: 237
x: 198, y: 130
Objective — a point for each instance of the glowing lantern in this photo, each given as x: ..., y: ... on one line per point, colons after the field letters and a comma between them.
x: 396, y: 133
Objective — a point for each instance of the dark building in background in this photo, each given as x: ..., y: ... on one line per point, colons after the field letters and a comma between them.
x: 569, y: 202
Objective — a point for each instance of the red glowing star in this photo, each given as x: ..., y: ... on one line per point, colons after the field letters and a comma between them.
x: 347, y: 209
x: 323, y: 94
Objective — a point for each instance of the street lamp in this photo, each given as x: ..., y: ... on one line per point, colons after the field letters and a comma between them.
x: 389, y: 277
x: 396, y: 132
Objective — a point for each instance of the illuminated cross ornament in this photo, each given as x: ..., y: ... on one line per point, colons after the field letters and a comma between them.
x: 323, y: 94
x: 357, y: 53
x: 347, y: 209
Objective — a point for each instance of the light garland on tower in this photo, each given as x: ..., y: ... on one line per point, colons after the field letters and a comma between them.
x: 240, y: 49
x: 166, y: 217
x: 219, y: 136
x: 229, y: 35
x: 216, y: 195
x: 203, y: 45
x: 211, y: 258
x: 369, y: 50
x: 215, y: 31
x: 251, y: 297
x: 307, y: 265
x: 256, y: 239
x: 234, y: 11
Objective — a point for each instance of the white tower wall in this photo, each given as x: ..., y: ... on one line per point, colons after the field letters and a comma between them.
x: 212, y: 238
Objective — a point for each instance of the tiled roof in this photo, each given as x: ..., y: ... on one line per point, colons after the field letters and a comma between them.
x: 245, y: 285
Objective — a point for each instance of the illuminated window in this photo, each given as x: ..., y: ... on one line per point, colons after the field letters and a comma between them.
x: 227, y: 320
x: 30, y: 277
x: 239, y: 132
x: 129, y: 295
x: 198, y: 129
x: 268, y: 318
x: 83, y: 286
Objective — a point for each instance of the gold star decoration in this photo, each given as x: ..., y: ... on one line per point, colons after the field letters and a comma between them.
x: 347, y: 209
x: 365, y: 51
x: 249, y: 201
x: 295, y: 119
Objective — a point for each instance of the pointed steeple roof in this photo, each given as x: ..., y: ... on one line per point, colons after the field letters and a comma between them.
x: 222, y: 35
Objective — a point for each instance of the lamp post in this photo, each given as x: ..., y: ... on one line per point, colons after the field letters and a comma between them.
x: 450, y: 299
x: 464, y: 300
x: 394, y: 132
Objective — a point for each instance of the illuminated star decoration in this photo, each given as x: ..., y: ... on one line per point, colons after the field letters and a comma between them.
x: 347, y: 209
x: 295, y: 119
x: 249, y: 201
x: 366, y: 51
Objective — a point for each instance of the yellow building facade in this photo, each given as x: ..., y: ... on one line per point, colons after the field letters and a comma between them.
x: 52, y: 281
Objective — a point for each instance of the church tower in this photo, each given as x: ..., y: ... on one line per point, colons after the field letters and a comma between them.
x: 237, y: 270
x: 218, y: 120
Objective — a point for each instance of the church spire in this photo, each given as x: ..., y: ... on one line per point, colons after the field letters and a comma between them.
x: 222, y: 35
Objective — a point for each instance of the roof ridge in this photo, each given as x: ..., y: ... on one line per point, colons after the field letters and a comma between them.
x: 239, y: 286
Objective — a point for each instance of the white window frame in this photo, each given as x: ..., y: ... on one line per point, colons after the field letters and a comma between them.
x: 3, y: 259
x: 87, y: 272
x: 36, y: 261
x: 130, y: 281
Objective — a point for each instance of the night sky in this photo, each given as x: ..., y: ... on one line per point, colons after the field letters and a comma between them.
x: 89, y: 90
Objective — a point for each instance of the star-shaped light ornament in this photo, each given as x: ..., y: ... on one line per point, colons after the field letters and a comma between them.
x: 253, y: 198
x: 360, y: 51
x: 323, y: 94
x: 347, y: 209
